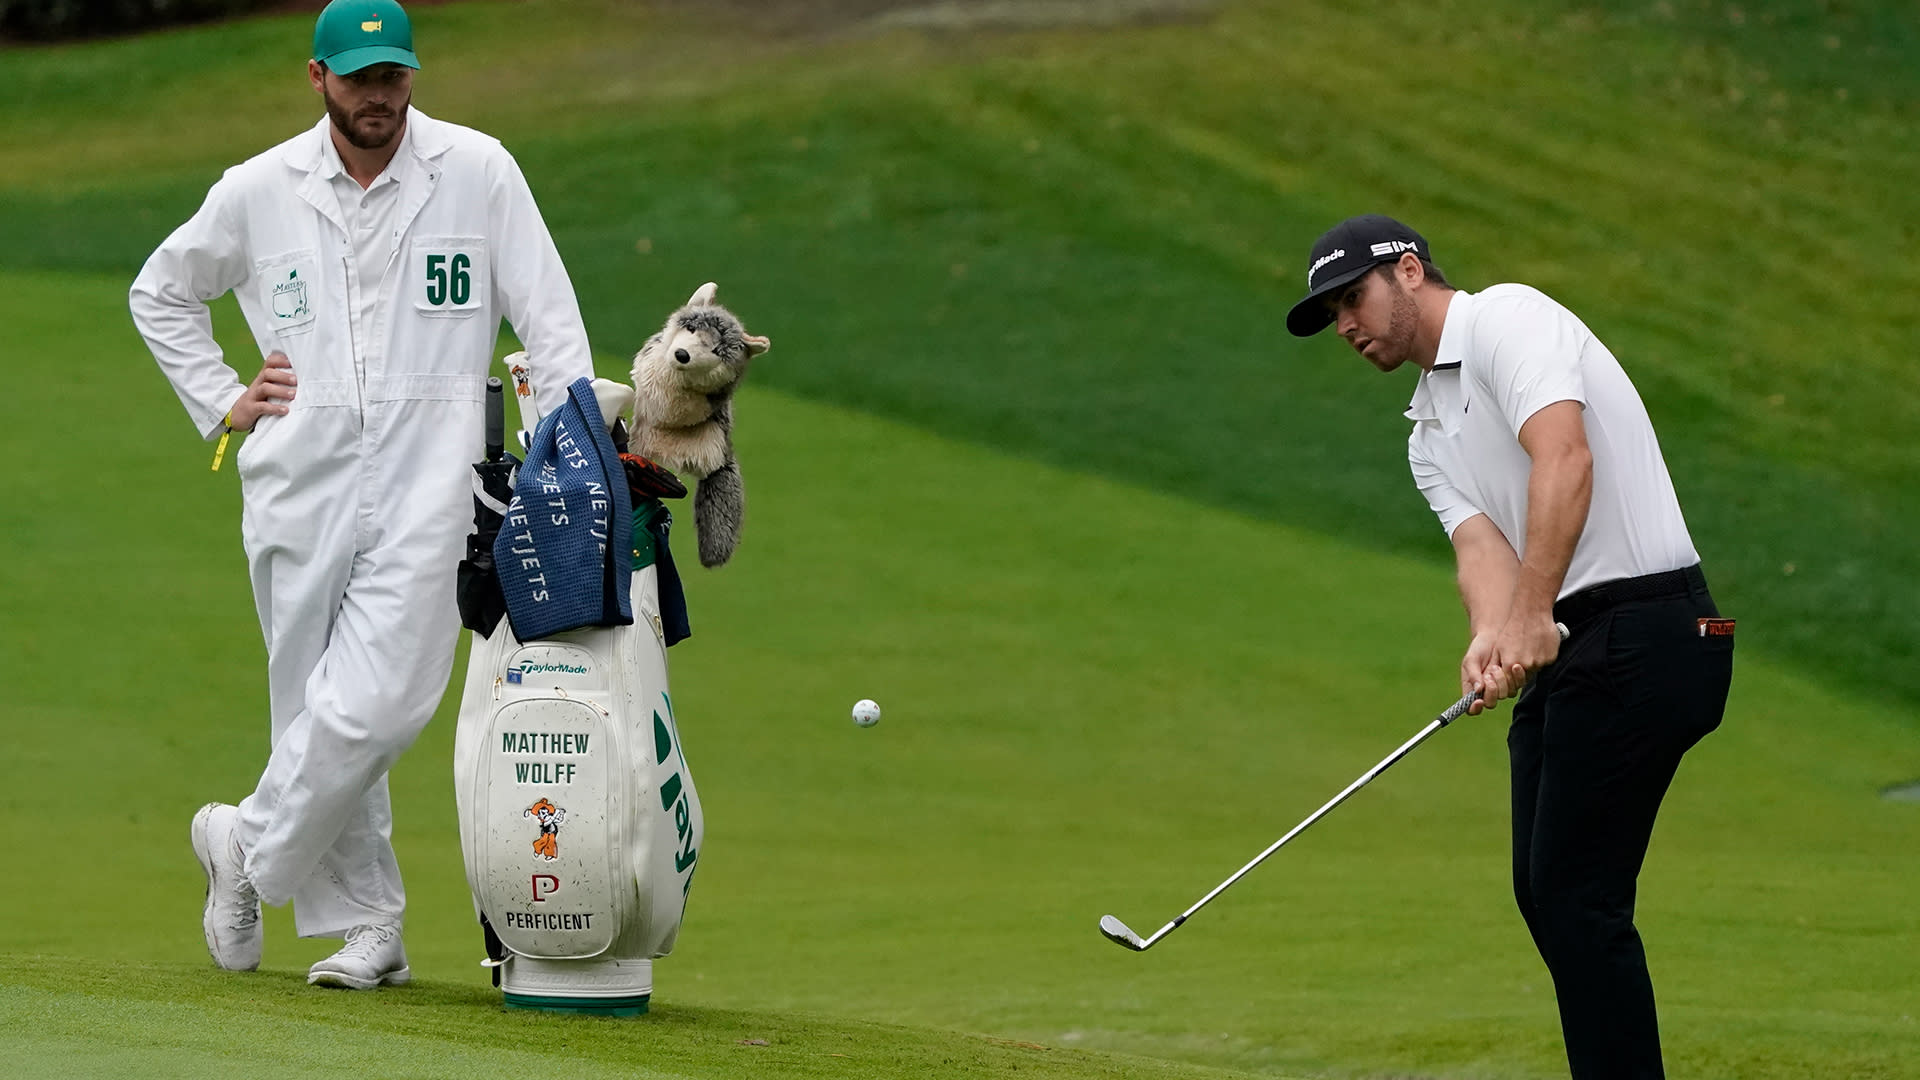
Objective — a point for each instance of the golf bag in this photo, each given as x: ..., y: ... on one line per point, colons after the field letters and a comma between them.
x: 579, y: 822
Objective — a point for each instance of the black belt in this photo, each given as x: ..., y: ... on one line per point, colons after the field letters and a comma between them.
x: 1595, y: 599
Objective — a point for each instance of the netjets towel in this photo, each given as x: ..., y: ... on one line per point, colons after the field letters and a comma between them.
x: 556, y: 566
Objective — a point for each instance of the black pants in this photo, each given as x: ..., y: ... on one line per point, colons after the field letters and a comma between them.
x: 1595, y: 742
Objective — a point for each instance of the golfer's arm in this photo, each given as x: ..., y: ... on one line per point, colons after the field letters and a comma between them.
x: 1488, y: 569
x: 1559, y: 492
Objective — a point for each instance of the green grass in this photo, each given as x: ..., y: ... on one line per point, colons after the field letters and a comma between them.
x: 1078, y: 245
x: 1139, y: 580
x: 121, y: 1019
x: 1098, y: 699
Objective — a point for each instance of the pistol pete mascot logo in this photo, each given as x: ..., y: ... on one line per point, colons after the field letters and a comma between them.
x: 547, y: 844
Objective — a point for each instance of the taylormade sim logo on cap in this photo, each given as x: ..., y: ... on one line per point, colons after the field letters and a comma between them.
x: 1339, y: 257
x: 1322, y: 261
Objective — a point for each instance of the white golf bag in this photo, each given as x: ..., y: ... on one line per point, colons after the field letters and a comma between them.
x: 578, y: 818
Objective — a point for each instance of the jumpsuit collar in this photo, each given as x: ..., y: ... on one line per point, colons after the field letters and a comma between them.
x: 314, y: 155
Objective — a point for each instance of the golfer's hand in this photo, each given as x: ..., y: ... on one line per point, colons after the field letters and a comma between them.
x: 267, y: 396
x: 1524, y: 645
x: 1473, y: 667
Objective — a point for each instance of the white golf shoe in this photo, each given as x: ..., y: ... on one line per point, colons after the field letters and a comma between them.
x: 232, y: 917
x: 371, y: 957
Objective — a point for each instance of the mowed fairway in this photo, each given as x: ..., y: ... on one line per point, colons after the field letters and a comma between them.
x: 1114, y: 664
x: 1098, y: 699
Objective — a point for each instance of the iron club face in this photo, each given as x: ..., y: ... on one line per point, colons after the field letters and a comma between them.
x: 1117, y: 932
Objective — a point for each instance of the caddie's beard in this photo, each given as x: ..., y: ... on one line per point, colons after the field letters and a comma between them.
x: 345, y: 122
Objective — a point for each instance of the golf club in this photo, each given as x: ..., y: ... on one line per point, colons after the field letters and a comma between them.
x: 1120, y: 934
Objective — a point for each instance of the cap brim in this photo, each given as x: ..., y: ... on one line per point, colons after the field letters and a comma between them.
x: 352, y: 60
x: 1310, y: 315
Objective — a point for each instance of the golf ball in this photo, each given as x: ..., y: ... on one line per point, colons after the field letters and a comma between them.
x: 866, y: 712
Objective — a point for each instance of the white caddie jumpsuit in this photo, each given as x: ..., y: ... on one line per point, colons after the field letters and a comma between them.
x: 358, y: 501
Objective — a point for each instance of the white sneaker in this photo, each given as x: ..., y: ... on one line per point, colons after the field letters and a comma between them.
x: 232, y: 917
x: 372, y: 955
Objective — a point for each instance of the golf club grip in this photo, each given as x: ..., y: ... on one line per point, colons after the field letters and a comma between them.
x: 1459, y: 708
x: 496, y: 419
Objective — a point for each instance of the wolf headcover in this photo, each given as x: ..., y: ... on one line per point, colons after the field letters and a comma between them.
x: 684, y: 378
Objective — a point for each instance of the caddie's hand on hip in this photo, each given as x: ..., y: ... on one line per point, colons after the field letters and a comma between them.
x: 267, y: 395
x: 1527, y: 643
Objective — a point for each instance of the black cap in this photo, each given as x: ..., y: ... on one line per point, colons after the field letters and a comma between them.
x: 1348, y: 250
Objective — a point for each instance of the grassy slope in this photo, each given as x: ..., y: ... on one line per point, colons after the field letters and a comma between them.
x: 1078, y: 246
x: 1099, y: 699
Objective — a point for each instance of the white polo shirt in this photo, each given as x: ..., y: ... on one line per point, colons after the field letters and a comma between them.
x: 1505, y: 353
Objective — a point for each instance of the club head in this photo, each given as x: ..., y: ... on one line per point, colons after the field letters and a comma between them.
x: 1117, y: 932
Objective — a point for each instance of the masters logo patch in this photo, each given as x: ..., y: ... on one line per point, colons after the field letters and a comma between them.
x: 290, y: 297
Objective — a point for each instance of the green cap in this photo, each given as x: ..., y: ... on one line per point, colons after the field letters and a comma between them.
x: 352, y: 34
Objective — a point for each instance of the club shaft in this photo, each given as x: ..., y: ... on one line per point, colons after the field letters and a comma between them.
x: 1454, y: 712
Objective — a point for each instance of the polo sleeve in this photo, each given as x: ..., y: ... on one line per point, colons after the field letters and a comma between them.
x: 1451, y: 506
x: 1531, y: 348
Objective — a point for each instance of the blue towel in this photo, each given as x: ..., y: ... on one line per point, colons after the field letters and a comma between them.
x: 557, y: 569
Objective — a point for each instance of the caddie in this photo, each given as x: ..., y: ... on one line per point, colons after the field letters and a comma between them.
x: 373, y: 256
x: 1533, y: 448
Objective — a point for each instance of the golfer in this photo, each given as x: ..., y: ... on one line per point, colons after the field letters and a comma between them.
x: 373, y: 256
x: 1534, y: 450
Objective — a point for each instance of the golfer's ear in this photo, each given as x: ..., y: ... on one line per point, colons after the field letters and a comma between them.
x: 703, y: 296
x: 1411, y: 270
x: 757, y: 345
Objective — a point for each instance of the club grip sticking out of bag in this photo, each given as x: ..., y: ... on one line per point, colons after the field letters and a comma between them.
x: 496, y: 419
